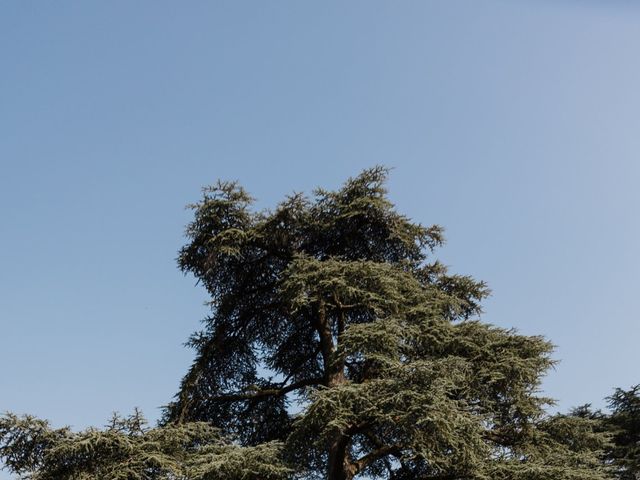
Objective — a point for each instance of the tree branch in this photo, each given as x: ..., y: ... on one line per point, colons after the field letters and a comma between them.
x: 267, y: 392
x: 369, y: 458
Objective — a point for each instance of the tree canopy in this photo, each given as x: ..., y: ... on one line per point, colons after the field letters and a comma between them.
x: 127, y: 449
x: 337, y: 347
x: 624, y: 425
x: 334, y: 330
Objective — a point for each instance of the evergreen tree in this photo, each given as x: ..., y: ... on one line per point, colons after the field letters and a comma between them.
x: 127, y: 450
x: 332, y: 329
x: 336, y: 348
x: 624, y: 425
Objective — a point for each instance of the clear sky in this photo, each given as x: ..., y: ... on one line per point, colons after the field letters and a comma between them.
x: 514, y: 124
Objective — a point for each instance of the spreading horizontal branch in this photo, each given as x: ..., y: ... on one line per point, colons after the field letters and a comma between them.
x: 267, y: 392
x: 383, y: 451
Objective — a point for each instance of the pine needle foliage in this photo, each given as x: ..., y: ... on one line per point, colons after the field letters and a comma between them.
x: 128, y: 450
x: 333, y: 330
x: 624, y: 424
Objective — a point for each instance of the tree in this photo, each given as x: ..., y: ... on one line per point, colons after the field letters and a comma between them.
x: 127, y: 450
x: 336, y: 348
x: 333, y: 330
x: 624, y: 425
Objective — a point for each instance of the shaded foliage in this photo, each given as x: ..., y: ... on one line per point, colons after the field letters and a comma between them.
x: 624, y: 425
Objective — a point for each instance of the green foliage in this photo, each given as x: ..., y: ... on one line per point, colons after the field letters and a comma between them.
x: 334, y: 303
x: 624, y: 424
x: 127, y: 450
x: 336, y: 347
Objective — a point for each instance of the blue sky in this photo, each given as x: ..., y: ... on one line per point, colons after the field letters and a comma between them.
x: 514, y: 124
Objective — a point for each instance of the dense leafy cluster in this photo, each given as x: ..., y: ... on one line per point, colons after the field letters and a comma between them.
x: 128, y: 450
x: 624, y: 422
x: 336, y: 347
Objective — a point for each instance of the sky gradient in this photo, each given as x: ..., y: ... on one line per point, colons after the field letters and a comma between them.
x: 513, y: 124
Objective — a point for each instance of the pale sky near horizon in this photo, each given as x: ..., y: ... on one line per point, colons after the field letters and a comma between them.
x: 513, y: 124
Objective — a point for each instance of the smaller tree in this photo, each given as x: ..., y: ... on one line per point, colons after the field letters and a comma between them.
x: 128, y: 450
x: 624, y: 424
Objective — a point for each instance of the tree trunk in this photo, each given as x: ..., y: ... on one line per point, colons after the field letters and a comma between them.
x: 339, y: 467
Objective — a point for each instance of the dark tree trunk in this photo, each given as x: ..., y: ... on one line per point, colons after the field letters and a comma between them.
x: 339, y: 467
